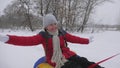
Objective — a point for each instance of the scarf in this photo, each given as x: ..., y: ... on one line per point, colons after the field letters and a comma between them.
x: 57, y: 57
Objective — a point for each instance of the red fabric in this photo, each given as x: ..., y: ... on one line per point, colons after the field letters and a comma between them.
x: 38, y: 39
x: 24, y: 40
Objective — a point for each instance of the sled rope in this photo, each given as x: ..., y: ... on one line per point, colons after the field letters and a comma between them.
x: 94, y: 65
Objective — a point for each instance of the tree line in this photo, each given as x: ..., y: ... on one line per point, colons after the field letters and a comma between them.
x: 71, y: 14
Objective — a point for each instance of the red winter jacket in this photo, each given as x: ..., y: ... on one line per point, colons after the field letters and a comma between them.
x: 43, y: 38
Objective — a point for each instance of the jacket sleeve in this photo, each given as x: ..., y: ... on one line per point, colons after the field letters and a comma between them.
x: 75, y: 39
x: 25, y: 40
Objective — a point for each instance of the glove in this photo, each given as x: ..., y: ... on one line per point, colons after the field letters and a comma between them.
x: 4, y: 38
x: 91, y: 38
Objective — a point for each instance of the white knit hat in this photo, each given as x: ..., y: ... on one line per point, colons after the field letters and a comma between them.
x: 49, y: 19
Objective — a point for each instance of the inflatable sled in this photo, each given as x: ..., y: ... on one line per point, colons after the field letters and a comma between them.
x: 40, y: 63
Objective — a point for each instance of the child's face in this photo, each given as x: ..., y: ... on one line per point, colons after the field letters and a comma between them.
x: 52, y: 27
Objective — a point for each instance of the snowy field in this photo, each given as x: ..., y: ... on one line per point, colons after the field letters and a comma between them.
x: 105, y: 44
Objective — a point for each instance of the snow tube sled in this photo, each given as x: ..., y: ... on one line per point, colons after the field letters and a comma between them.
x: 44, y: 65
x: 40, y: 63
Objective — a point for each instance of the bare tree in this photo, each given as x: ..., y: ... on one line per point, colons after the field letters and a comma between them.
x: 39, y: 7
x: 70, y: 13
x: 19, y: 14
x: 27, y: 5
x: 89, y: 7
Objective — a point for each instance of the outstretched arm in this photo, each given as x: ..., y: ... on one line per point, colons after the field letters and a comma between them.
x: 22, y: 40
x: 75, y: 39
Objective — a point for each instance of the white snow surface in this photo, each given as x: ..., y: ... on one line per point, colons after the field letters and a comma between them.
x: 105, y: 44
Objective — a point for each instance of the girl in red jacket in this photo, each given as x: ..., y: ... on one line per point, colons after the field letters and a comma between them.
x: 54, y: 42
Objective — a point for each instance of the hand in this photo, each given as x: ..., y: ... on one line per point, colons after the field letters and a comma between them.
x: 91, y: 38
x: 4, y: 38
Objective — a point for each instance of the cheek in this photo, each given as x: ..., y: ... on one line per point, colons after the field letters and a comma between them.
x: 49, y: 28
x: 52, y: 28
x: 55, y: 27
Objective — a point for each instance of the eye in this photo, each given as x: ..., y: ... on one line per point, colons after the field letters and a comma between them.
x: 53, y: 24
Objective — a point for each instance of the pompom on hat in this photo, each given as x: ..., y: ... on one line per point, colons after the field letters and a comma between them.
x: 49, y: 19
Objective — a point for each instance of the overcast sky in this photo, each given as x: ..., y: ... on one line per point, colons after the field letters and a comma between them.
x: 107, y: 13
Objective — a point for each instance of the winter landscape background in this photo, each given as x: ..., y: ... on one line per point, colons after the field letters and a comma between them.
x: 106, y: 43
x: 107, y: 13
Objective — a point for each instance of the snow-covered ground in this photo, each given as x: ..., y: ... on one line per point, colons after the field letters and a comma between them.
x: 105, y: 44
